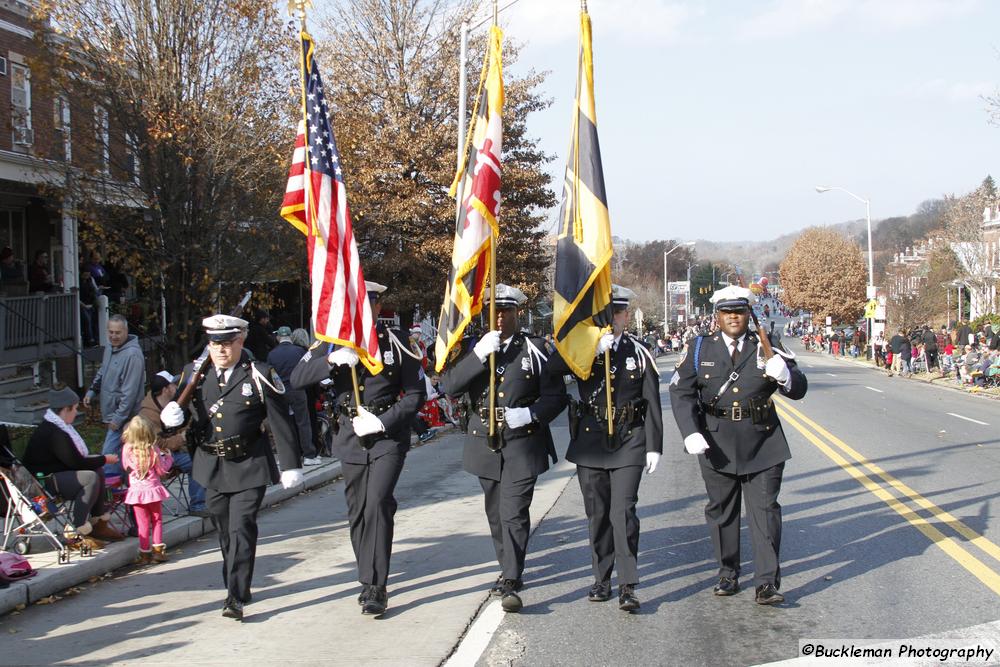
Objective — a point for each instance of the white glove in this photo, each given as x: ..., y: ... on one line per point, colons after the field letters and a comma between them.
x: 366, y: 423
x: 777, y: 369
x: 652, y: 460
x: 605, y: 343
x: 488, y: 344
x: 290, y: 478
x: 172, y: 415
x: 696, y: 443
x: 343, y: 356
x: 517, y: 417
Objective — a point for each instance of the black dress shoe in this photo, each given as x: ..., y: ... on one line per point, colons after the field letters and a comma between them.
x: 233, y: 609
x: 509, y: 599
x: 365, y: 592
x: 768, y: 594
x: 600, y: 592
x: 627, y: 601
x: 727, y: 586
x: 376, y: 602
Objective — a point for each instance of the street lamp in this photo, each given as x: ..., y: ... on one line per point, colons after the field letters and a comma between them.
x: 666, y: 306
x: 871, y: 263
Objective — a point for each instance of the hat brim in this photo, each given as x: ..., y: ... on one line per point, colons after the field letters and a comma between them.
x: 735, y: 306
x: 223, y: 336
x: 504, y: 304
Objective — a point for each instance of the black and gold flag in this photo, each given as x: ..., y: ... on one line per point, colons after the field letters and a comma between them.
x: 582, y: 300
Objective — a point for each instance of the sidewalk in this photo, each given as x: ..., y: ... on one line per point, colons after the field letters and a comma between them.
x: 927, y: 378
x: 54, y: 577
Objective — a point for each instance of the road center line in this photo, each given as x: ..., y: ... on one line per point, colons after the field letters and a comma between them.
x: 874, y: 389
x: 949, y: 519
x: 833, y: 375
x: 975, y: 566
x: 968, y: 419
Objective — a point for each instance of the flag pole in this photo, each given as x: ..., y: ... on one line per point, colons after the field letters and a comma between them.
x: 493, y: 436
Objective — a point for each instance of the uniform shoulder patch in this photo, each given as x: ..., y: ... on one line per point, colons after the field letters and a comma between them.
x: 456, y: 352
x: 684, y: 355
x: 315, y: 345
x: 279, y: 386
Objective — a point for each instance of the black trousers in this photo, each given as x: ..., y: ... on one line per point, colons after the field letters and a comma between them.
x: 609, y: 496
x: 235, y: 519
x: 371, y: 508
x: 507, y: 504
x: 760, y: 493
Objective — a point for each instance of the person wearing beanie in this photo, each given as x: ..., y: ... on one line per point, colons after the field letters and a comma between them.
x: 57, y: 452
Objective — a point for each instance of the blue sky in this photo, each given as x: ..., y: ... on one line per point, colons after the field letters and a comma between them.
x: 718, y: 118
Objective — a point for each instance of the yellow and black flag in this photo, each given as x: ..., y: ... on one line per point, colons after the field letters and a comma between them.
x: 582, y: 300
x: 477, y: 226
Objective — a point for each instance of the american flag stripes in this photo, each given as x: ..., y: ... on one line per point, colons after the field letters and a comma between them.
x: 316, y: 204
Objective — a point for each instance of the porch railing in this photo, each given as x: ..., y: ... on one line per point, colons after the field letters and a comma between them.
x: 38, y: 326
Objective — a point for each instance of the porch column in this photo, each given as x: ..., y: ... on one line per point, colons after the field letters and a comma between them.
x: 71, y: 276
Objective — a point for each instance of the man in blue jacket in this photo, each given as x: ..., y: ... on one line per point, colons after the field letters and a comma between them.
x: 121, y: 385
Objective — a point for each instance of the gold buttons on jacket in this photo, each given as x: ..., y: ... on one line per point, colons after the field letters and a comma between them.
x: 219, y: 415
x: 500, y: 394
x: 736, y: 390
x: 707, y: 376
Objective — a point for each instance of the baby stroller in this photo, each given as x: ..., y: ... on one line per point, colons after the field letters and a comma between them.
x: 28, y: 506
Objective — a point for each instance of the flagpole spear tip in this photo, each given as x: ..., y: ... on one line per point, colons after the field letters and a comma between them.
x: 298, y: 8
x: 583, y: 5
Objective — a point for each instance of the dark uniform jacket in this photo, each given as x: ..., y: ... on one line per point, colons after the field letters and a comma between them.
x: 394, y: 395
x: 522, y: 381
x: 635, y: 381
x: 735, y: 447
x: 240, y: 408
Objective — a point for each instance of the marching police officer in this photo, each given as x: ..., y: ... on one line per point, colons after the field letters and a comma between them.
x: 610, y: 467
x: 527, y: 399
x: 371, y: 441
x: 232, y: 454
x: 721, y: 399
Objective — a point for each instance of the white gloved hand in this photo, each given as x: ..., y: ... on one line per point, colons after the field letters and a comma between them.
x: 488, y: 344
x: 291, y: 478
x: 605, y: 343
x: 696, y: 444
x: 172, y: 415
x: 343, y: 356
x: 366, y: 423
x: 517, y: 417
x: 777, y: 369
x: 652, y: 460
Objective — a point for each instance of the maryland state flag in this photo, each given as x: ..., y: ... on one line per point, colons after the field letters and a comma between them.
x: 476, y: 227
x: 582, y: 301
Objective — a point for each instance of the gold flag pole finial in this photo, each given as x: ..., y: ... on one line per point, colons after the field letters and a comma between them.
x: 298, y: 8
x: 583, y: 5
x: 495, y: 11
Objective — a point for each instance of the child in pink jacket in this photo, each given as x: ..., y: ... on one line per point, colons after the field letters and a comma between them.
x: 145, y: 462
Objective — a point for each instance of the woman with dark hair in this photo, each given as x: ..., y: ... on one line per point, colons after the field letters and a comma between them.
x: 57, y: 452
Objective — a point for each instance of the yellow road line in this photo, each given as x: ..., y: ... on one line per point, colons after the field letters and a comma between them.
x: 947, y: 518
x: 975, y: 566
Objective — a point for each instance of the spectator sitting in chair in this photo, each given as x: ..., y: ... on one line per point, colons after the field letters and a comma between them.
x: 59, y: 453
x: 162, y: 388
x: 969, y: 364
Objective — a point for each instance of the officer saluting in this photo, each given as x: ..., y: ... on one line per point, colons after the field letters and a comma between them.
x: 721, y: 399
x: 371, y: 441
x: 610, y: 468
x: 232, y: 454
x: 527, y: 399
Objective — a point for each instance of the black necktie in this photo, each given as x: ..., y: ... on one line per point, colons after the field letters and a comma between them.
x: 736, y: 351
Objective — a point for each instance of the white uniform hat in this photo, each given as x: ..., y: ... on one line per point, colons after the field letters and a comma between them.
x: 733, y: 297
x: 621, y: 296
x: 221, y: 328
x: 508, y: 297
x: 374, y: 287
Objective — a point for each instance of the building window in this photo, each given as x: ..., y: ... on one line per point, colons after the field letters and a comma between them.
x: 132, y: 157
x: 61, y: 122
x: 20, y: 102
x: 103, y: 139
x: 12, y: 236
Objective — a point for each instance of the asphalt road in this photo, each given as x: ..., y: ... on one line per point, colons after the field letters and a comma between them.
x: 852, y: 565
x: 889, y: 533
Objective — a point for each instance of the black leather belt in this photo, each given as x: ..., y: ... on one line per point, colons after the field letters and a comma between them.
x: 756, y: 411
x: 377, y: 408
x: 234, y: 447
x: 499, y: 414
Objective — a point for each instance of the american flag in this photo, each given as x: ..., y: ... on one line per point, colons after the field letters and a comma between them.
x: 316, y: 204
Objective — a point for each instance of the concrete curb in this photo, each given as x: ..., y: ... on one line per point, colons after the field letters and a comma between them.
x: 55, y: 578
